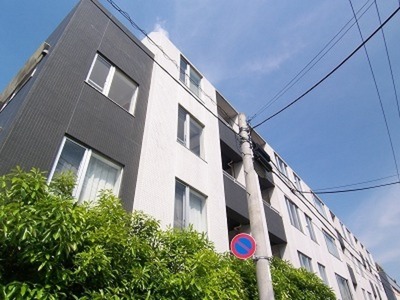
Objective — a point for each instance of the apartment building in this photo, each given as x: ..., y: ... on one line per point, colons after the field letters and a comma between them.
x: 139, y: 118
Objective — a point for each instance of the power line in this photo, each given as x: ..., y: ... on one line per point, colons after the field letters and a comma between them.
x: 182, y: 71
x: 388, y: 57
x: 352, y: 190
x: 126, y: 15
x: 377, y: 91
x: 310, y: 64
x: 331, y: 72
x: 351, y: 184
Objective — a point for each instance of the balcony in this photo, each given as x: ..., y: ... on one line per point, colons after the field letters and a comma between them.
x: 238, y: 214
x: 229, y: 140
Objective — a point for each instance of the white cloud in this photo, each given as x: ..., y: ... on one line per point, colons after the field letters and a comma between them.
x: 376, y: 222
x: 159, y: 27
x: 268, y: 64
x: 272, y: 62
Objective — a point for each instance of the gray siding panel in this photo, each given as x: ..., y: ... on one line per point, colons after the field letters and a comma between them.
x: 235, y: 196
x: 229, y: 138
x: 61, y: 102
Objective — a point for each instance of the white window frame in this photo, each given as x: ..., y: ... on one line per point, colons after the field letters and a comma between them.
x: 331, y: 244
x: 350, y: 237
x: 297, y: 182
x: 294, y: 216
x: 83, y: 166
x: 322, y: 273
x: 319, y: 205
x: 344, y: 287
x: 189, y: 119
x: 344, y: 231
x: 185, y: 76
x: 186, y: 206
x: 282, y: 166
x: 310, y: 226
x: 305, y: 261
x: 107, y: 85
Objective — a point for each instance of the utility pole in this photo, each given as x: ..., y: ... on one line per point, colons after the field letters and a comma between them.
x: 258, y: 223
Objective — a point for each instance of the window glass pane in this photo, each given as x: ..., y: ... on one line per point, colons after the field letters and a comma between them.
x: 344, y: 288
x: 311, y: 229
x: 305, y: 262
x: 293, y: 214
x: 179, y: 201
x: 297, y: 182
x: 70, y: 158
x: 195, y: 137
x: 319, y: 206
x: 195, y: 79
x: 196, y: 212
x: 330, y: 243
x: 322, y: 272
x: 182, y: 72
x: 181, y: 125
x: 99, y: 176
x: 281, y: 165
x: 122, y: 90
x: 99, y: 73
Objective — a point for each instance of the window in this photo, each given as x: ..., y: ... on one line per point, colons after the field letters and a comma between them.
x: 190, y: 77
x: 113, y: 83
x: 310, y: 227
x: 297, y: 182
x: 369, y: 296
x: 190, y: 132
x: 319, y: 206
x: 305, y: 262
x: 293, y: 214
x: 344, y: 288
x: 364, y: 294
x: 93, y: 172
x: 322, y: 273
x: 350, y: 239
x: 189, y: 208
x: 344, y: 230
x: 281, y: 165
x: 330, y: 243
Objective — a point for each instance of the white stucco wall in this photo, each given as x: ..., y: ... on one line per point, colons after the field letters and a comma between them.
x: 163, y: 159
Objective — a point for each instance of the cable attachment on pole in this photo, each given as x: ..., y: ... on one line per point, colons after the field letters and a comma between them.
x: 257, y: 258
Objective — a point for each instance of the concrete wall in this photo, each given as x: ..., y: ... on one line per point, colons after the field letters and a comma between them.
x: 164, y: 159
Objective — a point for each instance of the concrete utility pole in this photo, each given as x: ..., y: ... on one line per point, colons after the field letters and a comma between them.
x: 258, y: 223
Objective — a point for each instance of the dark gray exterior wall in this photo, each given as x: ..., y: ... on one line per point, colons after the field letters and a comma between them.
x: 235, y: 197
x: 60, y: 103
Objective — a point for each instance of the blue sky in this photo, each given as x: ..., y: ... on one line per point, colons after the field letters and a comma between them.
x: 249, y: 50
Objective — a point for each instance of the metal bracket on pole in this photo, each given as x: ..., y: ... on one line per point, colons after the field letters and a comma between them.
x: 256, y: 258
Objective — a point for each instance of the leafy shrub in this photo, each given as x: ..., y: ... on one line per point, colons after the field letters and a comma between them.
x: 52, y: 248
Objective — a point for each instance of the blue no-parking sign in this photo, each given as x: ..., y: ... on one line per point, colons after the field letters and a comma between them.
x: 243, y: 246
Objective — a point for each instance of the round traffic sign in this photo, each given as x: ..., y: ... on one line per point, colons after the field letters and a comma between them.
x: 243, y: 246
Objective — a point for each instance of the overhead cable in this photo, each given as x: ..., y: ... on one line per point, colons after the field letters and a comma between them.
x: 331, y: 72
x: 351, y: 190
x: 389, y: 60
x: 126, y: 15
x: 377, y: 92
x: 352, y: 184
x: 136, y: 26
x: 317, y: 58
